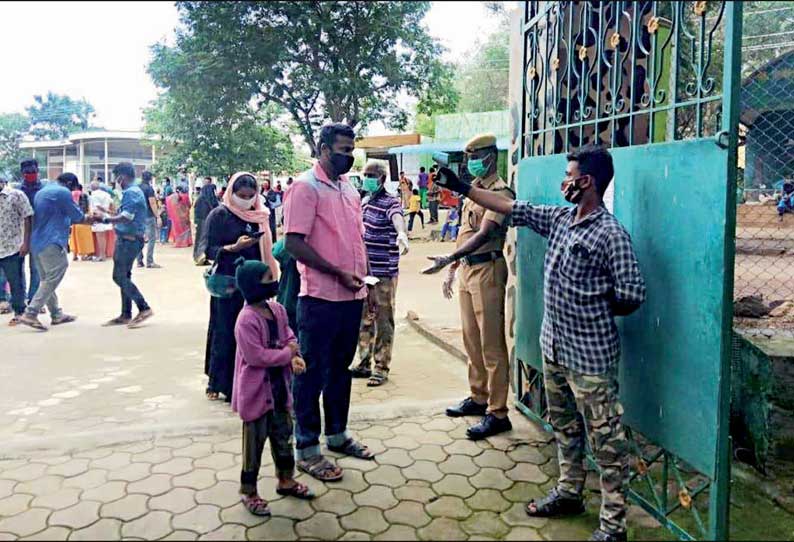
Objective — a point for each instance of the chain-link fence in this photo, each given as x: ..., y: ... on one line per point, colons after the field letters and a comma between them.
x: 764, y: 280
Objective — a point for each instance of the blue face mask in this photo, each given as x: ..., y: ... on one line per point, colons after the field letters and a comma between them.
x: 370, y: 184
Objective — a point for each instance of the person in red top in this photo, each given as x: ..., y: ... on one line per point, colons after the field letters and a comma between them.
x: 324, y: 233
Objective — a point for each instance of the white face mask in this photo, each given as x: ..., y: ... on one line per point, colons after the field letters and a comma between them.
x: 244, y: 204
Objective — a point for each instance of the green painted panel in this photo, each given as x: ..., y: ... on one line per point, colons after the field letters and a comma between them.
x: 671, y: 197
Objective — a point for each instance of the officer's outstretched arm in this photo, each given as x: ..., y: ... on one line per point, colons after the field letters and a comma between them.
x: 487, y: 229
x: 487, y: 198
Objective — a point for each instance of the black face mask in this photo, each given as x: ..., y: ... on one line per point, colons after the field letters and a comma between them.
x: 260, y: 292
x: 341, y: 162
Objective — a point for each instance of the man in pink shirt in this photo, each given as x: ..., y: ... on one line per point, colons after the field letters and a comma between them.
x: 324, y: 233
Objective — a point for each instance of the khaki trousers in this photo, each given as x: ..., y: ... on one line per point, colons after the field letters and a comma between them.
x: 482, y: 309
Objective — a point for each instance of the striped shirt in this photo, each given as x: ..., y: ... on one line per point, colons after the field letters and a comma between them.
x: 380, y: 237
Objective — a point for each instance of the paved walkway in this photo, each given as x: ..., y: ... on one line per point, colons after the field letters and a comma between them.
x: 106, y: 434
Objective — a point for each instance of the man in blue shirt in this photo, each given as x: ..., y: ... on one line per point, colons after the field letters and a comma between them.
x: 30, y: 186
x: 152, y: 220
x: 130, y: 226
x: 55, y: 213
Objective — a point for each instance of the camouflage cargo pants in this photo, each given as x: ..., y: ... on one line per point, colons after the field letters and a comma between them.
x: 376, y: 337
x: 582, y: 405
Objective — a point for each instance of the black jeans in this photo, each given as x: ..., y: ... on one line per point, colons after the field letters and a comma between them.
x: 123, y: 258
x: 433, y: 210
x: 13, y: 269
x: 411, y: 217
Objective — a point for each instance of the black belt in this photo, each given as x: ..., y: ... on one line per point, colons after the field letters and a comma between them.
x: 484, y: 257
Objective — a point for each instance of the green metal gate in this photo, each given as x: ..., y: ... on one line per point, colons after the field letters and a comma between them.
x: 657, y: 82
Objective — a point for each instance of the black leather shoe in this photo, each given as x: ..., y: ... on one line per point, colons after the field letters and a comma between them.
x: 603, y: 536
x: 467, y: 407
x: 488, y: 427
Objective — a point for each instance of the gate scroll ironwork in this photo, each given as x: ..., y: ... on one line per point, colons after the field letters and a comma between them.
x: 658, y: 83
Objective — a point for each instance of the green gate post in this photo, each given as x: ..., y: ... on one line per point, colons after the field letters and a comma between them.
x: 719, y: 503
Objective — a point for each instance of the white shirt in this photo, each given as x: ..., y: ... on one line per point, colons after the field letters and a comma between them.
x: 100, y: 198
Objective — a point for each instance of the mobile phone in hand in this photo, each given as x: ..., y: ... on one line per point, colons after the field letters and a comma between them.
x: 257, y: 235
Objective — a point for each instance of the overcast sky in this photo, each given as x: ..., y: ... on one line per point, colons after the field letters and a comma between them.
x: 99, y: 50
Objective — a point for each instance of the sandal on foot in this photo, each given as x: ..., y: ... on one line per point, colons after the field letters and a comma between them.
x: 377, y: 380
x: 360, y: 372
x: 353, y: 449
x: 119, y: 321
x: 299, y: 491
x: 31, y: 322
x: 213, y: 395
x: 256, y: 505
x: 555, y: 505
x: 321, y: 469
x: 63, y: 319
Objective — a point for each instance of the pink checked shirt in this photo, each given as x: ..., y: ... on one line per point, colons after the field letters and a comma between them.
x: 329, y: 215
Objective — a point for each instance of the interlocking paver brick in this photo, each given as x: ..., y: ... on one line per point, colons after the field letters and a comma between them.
x: 126, y: 509
x: 353, y: 536
x: 550, y: 469
x: 176, y: 466
x: 70, y: 468
x: 448, y: 507
x: 78, y: 516
x: 94, y: 453
x: 106, y: 493
x: 40, y: 486
x: 132, y: 473
x: 523, y: 492
x: 26, y: 472
x: 7, y: 488
x: 274, y: 529
x: 401, y: 441
x: 155, y: 455
x: 366, y: 519
x: 181, y: 535
x: 336, y: 501
x: 228, y: 475
x: 238, y: 514
x: 516, y: 516
x: 436, y: 437
x: 525, y: 472
x: 292, y: 508
x: 410, y: 429
x: 396, y: 457
x: 216, y: 461
x: 202, y: 519
x: 377, y: 496
x: 196, y: 450
x: 15, y: 504
x: 63, y: 498
x: 29, y: 522
x: 463, y: 446
x: 442, y: 529
x: 458, y: 464
x: 398, y: 532
x: 488, y: 500
x: 321, y: 525
x: 154, y: 485
x: 178, y: 501
x: 173, y: 442
x: 485, y: 524
x: 51, y: 533
x: 227, y: 532
x: 455, y: 485
x: 574, y: 529
x: 196, y: 479
x: 429, y: 452
x: 232, y: 446
x: 494, y: 459
x: 88, y: 480
x: 52, y: 460
x: 488, y: 478
x: 153, y: 526
x: 112, y: 462
x: 528, y: 454
x: 353, y: 481
x: 411, y: 492
x: 386, y: 475
x: 377, y: 431
x: 362, y: 465
x: 408, y: 513
x: 423, y: 470
x: 522, y: 534
x: 104, y: 529
x: 440, y: 424
x: 223, y: 494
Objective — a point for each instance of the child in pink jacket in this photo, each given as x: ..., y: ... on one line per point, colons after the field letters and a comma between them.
x: 267, y: 356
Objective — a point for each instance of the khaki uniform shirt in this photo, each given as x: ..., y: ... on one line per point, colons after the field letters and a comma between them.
x: 473, y: 215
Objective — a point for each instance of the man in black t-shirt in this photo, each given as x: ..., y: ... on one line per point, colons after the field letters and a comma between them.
x: 152, y: 220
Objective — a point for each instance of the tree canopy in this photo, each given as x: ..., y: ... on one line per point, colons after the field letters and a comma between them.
x: 54, y: 116
x: 13, y: 128
x: 319, y: 61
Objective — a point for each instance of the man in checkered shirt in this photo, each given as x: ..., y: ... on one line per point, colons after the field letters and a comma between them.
x: 591, y: 275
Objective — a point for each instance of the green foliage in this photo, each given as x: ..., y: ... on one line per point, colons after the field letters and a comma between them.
x: 13, y: 127
x: 199, y: 140
x: 765, y: 25
x: 319, y: 61
x: 55, y: 116
x: 483, y: 80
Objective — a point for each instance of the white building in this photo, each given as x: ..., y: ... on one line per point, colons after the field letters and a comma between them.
x: 91, y: 154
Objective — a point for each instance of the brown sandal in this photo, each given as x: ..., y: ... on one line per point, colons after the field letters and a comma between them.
x: 321, y: 469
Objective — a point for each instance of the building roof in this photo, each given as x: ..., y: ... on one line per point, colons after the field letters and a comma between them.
x: 87, y: 136
x: 458, y: 145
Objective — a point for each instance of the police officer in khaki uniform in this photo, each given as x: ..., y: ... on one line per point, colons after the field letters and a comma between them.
x: 481, y: 265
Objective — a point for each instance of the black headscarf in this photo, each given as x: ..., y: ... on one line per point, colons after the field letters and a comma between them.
x: 208, y: 193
